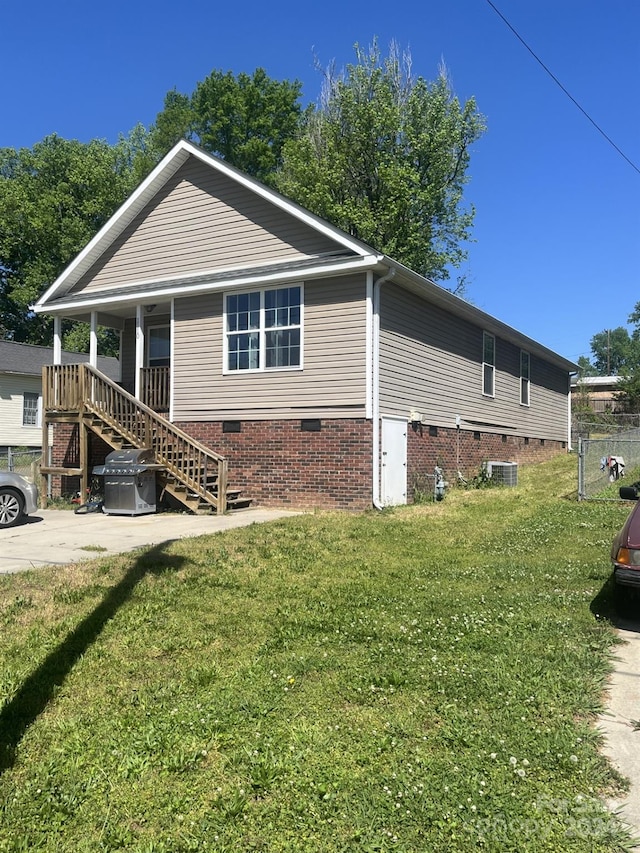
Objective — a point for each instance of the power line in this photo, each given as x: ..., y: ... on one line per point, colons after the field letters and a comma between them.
x: 567, y: 93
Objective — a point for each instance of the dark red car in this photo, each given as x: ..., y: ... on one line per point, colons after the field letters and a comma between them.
x: 625, y: 553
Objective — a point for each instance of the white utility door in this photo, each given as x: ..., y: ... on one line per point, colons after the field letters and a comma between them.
x: 394, y: 462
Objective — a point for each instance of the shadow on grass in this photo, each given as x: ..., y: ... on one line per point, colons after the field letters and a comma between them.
x: 623, y: 612
x: 39, y: 688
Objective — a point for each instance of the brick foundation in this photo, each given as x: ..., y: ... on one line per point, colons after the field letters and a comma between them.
x: 277, y: 463
x: 65, y: 453
x: 465, y: 450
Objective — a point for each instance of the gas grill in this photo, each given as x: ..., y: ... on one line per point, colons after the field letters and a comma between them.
x: 129, y: 481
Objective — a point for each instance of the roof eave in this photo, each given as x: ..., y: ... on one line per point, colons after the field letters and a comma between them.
x: 465, y: 310
x: 156, y: 179
x: 100, y: 301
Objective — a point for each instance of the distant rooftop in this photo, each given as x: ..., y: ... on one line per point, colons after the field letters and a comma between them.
x: 29, y: 359
x: 595, y: 381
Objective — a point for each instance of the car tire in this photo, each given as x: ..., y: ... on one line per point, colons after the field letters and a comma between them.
x: 626, y: 600
x: 11, y: 507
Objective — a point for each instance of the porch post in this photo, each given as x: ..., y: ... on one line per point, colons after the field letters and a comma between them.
x: 57, y: 339
x: 93, y: 340
x: 139, y: 349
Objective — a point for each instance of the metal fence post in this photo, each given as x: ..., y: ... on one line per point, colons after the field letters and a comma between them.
x: 580, y: 470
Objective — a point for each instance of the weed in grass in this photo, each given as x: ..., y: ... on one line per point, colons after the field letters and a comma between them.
x: 423, y: 679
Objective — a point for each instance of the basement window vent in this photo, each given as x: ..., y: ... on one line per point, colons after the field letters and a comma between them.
x: 231, y: 426
x: 476, y: 435
x: 311, y: 425
x: 433, y: 430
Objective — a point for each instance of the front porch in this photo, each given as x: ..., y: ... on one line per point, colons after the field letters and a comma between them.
x: 79, y: 395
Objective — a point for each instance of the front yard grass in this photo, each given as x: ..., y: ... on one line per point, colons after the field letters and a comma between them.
x: 424, y: 679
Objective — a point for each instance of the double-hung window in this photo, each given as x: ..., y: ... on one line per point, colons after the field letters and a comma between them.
x: 263, y: 329
x: 30, y: 409
x: 525, y: 368
x: 488, y: 364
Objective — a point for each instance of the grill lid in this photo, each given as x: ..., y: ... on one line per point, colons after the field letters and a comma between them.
x: 130, y: 460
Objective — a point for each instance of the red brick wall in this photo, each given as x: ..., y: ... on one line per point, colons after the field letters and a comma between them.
x: 276, y: 463
x: 65, y: 453
x: 465, y: 451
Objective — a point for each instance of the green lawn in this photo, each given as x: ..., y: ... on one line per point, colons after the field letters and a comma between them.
x: 424, y: 679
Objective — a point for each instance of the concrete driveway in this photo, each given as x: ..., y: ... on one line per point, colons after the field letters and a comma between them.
x: 58, y: 537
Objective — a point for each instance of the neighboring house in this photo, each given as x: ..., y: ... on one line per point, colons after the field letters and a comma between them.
x: 21, y: 389
x: 286, y: 355
x: 595, y: 393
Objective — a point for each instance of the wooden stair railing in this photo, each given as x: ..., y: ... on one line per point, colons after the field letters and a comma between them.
x: 83, y: 389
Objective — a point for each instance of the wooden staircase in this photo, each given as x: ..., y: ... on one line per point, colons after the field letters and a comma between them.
x: 193, y: 474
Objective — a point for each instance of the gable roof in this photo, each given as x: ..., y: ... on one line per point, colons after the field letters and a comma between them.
x: 29, y: 359
x: 149, y: 188
x: 351, y: 255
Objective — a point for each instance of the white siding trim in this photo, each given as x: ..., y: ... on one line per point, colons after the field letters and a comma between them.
x: 93, y: 340
x: 369, y: 346
x: 139, y: 348
x: 57, y: 340
x: 172, y: 360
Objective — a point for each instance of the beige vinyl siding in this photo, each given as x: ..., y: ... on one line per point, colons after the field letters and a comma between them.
x: 331, y: 384
x: 431, y: 363
x: 12, y: 432
x: 202, y: 221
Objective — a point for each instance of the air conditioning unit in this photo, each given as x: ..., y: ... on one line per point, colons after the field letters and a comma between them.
x: 503, y: 473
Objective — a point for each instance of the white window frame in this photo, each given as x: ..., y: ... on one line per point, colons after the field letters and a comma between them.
x: 38, y: 409
x: 262, y: 331
x: 486, y: 336
x: 525, y: 381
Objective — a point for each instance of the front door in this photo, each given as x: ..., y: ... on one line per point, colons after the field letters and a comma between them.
x: 394, y: 461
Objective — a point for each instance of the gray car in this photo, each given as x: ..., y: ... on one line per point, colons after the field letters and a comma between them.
x: 18, y: 498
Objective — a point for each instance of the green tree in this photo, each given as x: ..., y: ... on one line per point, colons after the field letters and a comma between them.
x: 76, y: 339
x: 628, y: 394
x: 384, y: 157
x: 53, y: 199
x: 585, y: 368
x: 245, y: 119
x: 615, y: 351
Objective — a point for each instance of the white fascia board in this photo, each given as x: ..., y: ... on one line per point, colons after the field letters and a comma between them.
x: 361, y: 264
x: 125, y: 213
x: 155, y: 181
x: 282, y: 202
x: 466, y: 310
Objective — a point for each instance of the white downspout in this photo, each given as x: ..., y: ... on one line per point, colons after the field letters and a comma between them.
x: 375, y: 390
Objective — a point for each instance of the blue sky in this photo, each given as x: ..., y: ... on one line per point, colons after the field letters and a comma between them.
x: 556, y: 246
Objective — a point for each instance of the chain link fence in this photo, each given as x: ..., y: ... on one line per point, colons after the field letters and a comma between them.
x: 602, y: 462
x: 21, y: 461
